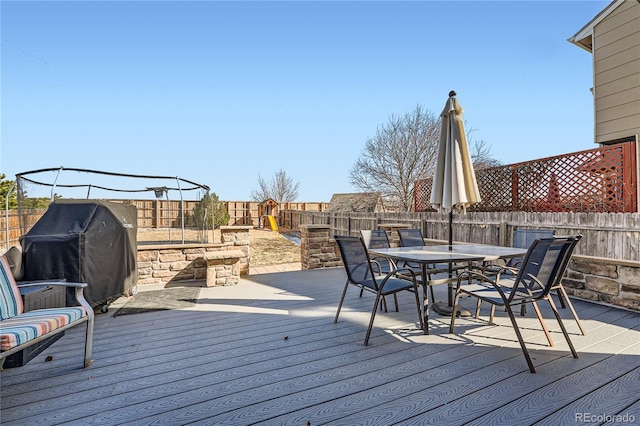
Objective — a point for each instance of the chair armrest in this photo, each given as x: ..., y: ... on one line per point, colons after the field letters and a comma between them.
x: 58, y: 283
x: 470, y: 274
x: 497, y: 269
x: 399, y: 271
x: 79, y: 291
x: 375, y: 265
x: 410, y: 274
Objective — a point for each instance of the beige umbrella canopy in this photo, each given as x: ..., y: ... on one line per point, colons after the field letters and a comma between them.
x: 454, y: 182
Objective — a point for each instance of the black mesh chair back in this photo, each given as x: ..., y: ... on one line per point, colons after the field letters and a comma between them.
x: 356, y: 261
x: 410, y: 237
x: 522, y: 238
x: 543, y: 266
x: 375, y: 238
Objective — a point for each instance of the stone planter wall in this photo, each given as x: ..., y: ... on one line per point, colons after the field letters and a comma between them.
x: 216, y: 264
x: 604, y: 280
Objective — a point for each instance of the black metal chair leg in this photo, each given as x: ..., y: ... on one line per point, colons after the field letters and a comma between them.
x: 373, y: 316
x: 565, y: 296
x: 344, y: 293
x: 520, y: 339
x: 562, y: 327
x: 543, y: 324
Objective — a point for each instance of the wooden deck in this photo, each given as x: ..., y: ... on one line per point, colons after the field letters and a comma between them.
x: 267, y: 352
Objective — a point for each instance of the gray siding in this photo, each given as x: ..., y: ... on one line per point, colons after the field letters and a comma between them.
x: 616, y: 56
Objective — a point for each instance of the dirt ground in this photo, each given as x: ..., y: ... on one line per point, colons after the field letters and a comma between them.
x: 267, y: 247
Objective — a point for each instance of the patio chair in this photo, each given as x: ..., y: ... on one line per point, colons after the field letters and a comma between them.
x: 361, y: 273
x: 542, y: 267
x: 377, y: 238
x: 413, y: 238
x: 19, y: 330
x: 522, y: 238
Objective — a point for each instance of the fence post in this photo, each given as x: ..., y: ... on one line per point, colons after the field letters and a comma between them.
x: 514, y: 188
x: 503, y: 234
x: 630, y: 179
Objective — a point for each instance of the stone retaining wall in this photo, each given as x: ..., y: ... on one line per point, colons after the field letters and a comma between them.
x: 216, y: 264
x: 604, y: 280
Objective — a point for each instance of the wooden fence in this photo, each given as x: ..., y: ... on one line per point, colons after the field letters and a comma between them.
x: 157, y: 214
x: 247, y: 212
x: 605, y: 235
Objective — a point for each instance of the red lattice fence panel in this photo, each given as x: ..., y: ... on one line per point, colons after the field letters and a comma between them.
x: 596, y: 180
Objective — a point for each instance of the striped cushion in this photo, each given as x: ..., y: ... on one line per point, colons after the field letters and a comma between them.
x: 10, y: 300
x: 22, y: 328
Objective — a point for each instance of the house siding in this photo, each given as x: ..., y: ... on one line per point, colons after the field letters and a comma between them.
x: 616, y: 56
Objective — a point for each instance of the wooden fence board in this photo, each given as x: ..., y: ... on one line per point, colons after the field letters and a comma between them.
x: 606, y: 235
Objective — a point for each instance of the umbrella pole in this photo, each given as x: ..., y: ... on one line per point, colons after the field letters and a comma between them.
x: 451, y: 230
x: 449, y: 285
x: 440, y: 307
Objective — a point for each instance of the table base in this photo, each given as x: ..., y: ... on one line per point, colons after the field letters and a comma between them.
x: 444, y: 309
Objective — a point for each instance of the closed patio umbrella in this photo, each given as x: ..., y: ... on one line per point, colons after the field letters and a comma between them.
x: 454, y: 182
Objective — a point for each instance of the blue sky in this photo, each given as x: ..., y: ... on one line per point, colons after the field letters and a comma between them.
x: 221, y: 92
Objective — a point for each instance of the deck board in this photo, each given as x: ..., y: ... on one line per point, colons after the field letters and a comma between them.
x: 267, y: 352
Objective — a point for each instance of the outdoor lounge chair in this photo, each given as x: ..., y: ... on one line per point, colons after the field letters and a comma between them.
x: 19, y: 330
x: 542, y: 267
x: 361, y: 273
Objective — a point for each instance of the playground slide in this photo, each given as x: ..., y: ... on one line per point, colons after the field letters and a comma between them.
x: 273, y: 223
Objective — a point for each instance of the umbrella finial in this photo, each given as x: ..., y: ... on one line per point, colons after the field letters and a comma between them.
x: 452, y: 93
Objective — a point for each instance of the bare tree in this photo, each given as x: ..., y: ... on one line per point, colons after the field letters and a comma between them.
x: 402, y: 152
x: 281, y: 188
x: 481, y: 156
x: 481, y: 152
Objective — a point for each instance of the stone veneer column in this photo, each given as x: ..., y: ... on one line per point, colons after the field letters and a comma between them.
x: 318, y: 250
x: 237, y: 238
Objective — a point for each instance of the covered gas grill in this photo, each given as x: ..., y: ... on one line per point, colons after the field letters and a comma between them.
x: 90, y: 241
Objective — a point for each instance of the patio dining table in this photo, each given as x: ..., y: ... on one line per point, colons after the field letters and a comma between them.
x: 439, y: 254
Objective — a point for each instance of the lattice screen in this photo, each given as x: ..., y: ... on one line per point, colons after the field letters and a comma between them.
x: 596, y: 180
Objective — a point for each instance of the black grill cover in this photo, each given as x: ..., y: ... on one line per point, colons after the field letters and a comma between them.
x: 89, y: 241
